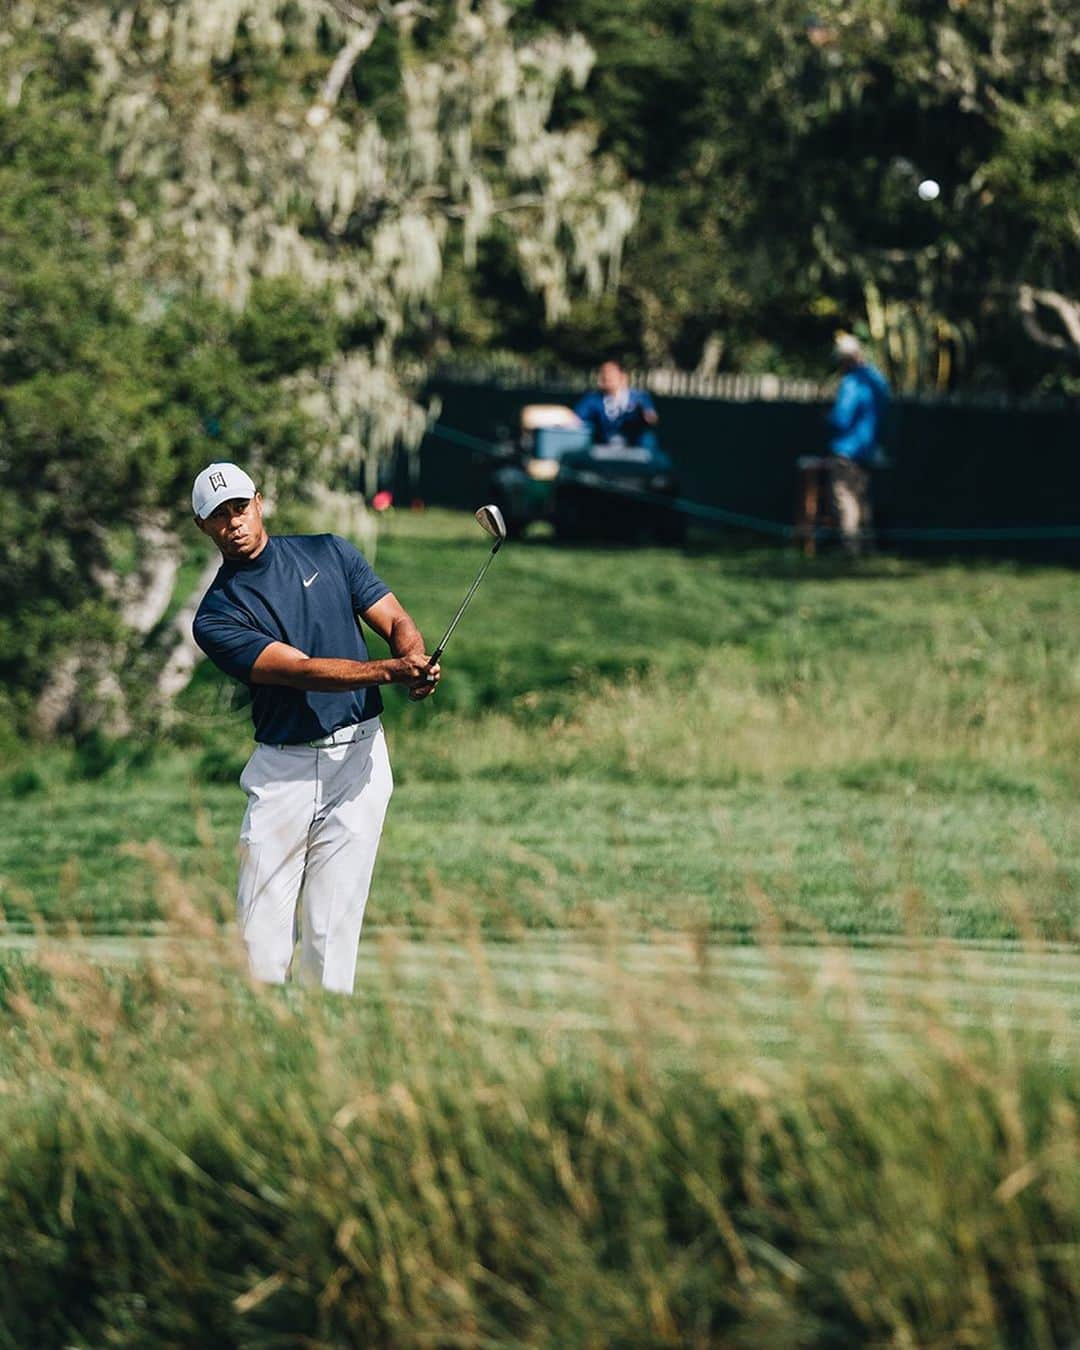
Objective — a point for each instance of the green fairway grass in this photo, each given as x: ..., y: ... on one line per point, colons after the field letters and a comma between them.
x: 653, y: 740
x: 586, y: 854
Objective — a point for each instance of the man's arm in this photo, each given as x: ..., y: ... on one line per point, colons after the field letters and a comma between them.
x: 394, y: 625
x: 649, y: 415
x: 281, y: 664
x: 845, y: 406
x: 587, y: 410
x: 389, y: 618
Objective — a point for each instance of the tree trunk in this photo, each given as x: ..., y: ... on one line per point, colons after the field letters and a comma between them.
x: 84, y: 691
x: 146, y: 596
x: 183, y: 654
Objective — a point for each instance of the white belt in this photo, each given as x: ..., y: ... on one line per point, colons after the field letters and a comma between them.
x: 359, y: 731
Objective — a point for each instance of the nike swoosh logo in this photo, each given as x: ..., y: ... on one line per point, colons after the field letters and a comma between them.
x: 311, y: 578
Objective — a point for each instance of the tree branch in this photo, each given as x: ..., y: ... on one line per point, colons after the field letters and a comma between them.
x: 1068, y: 311
x: 368, y: 22
x: 361, y: 14
x: 522, y: 201
x: 339, y: 72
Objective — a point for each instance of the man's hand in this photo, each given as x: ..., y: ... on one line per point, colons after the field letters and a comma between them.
x: 412, y: 671
x: 426, y: 686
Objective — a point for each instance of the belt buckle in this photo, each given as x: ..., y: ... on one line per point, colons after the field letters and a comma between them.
x: 357, y: 731
x: 325, y: 742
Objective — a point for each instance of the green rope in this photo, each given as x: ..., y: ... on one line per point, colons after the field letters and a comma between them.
x: 777, y: 529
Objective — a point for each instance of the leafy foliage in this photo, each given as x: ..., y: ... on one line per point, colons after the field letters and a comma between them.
x: 780, y: 147
x: 105, y: 415
x: 217, y: 234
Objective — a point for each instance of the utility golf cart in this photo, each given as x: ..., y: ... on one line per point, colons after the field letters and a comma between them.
x: 553, y: 471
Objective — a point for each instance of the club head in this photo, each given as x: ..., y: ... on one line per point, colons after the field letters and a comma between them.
x: 490, y: 518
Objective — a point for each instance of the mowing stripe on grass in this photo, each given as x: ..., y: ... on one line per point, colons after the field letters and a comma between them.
x: 577, y: 984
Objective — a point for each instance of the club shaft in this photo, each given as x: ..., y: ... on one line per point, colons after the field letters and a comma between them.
x: 437, y: 653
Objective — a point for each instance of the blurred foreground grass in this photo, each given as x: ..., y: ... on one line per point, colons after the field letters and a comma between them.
x: 636, y: 1154
x: 655, y: 739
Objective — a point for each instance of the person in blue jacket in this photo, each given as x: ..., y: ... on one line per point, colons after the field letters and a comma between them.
x: 615, y: 412
x: 856, y: 424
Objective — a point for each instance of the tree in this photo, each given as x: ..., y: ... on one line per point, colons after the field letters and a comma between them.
x: 105, y: 416
x: 259, y: 228
x: 780, y: 147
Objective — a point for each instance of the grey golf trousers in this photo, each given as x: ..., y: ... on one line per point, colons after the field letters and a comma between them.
x: 307, y: 852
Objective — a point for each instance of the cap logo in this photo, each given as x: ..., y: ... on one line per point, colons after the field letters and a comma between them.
x: 217, y: 480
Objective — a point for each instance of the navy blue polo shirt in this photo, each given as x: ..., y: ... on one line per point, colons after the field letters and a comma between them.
x: 305, y: 590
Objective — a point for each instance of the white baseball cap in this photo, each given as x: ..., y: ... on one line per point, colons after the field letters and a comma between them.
x: 219, y: 483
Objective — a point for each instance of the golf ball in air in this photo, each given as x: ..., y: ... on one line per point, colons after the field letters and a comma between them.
x: 929, y: 190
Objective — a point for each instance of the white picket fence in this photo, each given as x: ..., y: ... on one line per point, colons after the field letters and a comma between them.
x: 671, y: 383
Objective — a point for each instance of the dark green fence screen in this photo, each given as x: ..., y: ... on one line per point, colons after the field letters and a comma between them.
x: 1007, y: 472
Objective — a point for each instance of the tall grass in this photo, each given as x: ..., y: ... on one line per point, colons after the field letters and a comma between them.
x: 453, y: 1160
x: 733, y: 717
x: 652, y: 664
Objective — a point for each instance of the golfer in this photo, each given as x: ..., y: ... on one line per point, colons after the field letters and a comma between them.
x: 281, y: 617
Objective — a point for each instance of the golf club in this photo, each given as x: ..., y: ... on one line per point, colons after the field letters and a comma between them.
x: 490, y: 520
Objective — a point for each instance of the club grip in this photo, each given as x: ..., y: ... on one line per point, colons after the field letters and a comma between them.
x: 414, y: 695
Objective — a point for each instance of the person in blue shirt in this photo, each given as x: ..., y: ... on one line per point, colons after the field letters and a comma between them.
x: 615, y: 412
x: 855, y: 429
x: 282, y: 616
